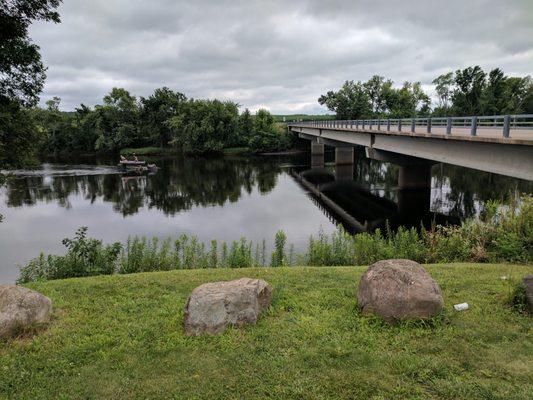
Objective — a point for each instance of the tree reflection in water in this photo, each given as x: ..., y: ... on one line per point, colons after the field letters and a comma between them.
x: 182, y: 183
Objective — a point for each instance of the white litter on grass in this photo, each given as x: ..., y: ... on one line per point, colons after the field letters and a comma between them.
x: 504, y: 278
x: 461, y: 306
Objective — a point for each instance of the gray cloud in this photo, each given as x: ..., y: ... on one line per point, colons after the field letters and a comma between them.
x: 275, y: 54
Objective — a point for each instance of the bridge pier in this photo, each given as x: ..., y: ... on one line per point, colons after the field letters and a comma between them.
x: 317, y: 154
x: 344, y: 155
x: 415, y: 176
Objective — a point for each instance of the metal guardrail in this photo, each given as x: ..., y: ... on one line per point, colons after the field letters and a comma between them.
x: 504, y: 123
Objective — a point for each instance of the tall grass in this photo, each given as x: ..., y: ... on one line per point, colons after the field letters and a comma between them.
x: 503, y: 233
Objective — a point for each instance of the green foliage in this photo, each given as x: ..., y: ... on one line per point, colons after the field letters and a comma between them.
x: 504, y: 234
x: 207, y: 126
x: 266, y: 135
x: 278, y: 256
x: 19, y: 136
x: 376, y: 97
x: 240, y: 254
x: 470, y: 91
x: 517, y: 298
x: 84, y: 257
x: 164, y: 120
x: 22, y: 72
x: 143, y: 151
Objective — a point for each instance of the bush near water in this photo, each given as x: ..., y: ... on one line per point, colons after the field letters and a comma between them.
x: 503, y: 234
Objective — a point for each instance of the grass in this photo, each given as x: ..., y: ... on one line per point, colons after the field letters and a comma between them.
x: 146, y: 151
x: 233, y: 151
x: 120, y: 337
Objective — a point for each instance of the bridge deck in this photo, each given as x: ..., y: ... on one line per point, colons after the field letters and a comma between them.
x: 522, y: 136
x: 498, y: 144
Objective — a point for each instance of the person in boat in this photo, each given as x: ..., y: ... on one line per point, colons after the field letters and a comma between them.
x: 122, y: 158
x: 135, y: 157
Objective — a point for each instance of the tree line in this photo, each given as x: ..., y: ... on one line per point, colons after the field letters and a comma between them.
x: 470, y: 91
x: 165, y: 119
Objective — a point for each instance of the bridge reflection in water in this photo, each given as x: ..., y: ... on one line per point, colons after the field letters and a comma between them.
x: 360, y: 208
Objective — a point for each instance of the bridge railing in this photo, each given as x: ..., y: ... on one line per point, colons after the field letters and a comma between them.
x: 493, y: 125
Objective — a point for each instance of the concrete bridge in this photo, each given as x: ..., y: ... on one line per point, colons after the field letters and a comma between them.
x: 500, y: 144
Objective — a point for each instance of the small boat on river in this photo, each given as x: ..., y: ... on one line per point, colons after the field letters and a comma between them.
x: 136, y: 166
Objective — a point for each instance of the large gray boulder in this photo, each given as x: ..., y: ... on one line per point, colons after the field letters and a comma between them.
x: 212, y: 307
x: 398, y: 290
x: 20, y: 308
x: 528, y: 287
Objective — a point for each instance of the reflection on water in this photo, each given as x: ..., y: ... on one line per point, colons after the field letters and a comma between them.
x: 226, y: 199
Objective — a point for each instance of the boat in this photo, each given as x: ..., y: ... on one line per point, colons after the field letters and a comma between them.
x: 136, y: 166
x: 131, y: 163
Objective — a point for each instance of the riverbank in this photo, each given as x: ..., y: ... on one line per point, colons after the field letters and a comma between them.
x: 121, y: 337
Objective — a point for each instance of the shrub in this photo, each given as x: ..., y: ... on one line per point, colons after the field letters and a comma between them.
x: 278, y: 256
x: 84, y: 257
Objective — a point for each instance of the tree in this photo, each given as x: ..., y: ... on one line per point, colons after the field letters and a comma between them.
x: 443, y: 86
x: 246, y: 126
x: 117, y: 121
x: 350, y: 102
x: 205, y: 126
x: 377, y: 89
x: 518, y: 94
x: 22, y: 76
x: 468, y: 91
x: 265, y: 135
x: 156, y: 112
x: 494, y: 99
x: 19, y: 137
x: 408, y: 101
x: 22, y: 72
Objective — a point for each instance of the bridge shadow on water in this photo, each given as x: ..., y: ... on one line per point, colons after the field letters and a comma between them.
x: 361, y: 209
x: 366, y: 196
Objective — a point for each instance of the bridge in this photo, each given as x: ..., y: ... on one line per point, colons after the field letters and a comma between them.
x: 502, y: 144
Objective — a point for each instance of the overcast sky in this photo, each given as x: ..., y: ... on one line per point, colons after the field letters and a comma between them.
x: 281, y: 55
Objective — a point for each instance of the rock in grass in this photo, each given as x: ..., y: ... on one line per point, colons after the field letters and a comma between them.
x: 398, y: 290
x: 212, y: 307
x: 527, y: 282
x: 20, y: 308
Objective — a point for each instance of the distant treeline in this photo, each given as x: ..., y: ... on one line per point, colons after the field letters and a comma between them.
x: 164, y: 119
x: 470, y: 91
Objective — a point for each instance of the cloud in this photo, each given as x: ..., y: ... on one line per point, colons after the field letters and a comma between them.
x: 275, y: 54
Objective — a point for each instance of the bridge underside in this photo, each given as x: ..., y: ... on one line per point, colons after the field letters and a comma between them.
x: 509, y: 159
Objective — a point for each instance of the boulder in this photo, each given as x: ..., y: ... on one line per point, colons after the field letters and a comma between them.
x: 528, y: 287
x: 20, y: 308
x: 212, y: 307
x: 397, y: 290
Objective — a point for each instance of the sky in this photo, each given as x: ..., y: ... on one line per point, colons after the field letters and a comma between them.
x: 280, y: 55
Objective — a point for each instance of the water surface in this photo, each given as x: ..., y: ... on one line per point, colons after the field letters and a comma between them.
x: 222, y: 198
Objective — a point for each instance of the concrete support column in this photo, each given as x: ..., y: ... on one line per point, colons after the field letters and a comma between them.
x: 344, y: 155
x: 414, y: 194
x: 317, y: 148
x: 317, y: 154
x: 415, y: 177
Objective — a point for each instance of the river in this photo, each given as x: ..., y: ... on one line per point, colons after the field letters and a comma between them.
x: 224, y: 198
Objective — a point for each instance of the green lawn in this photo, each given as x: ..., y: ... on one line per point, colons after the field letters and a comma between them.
x: 120, y: 337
